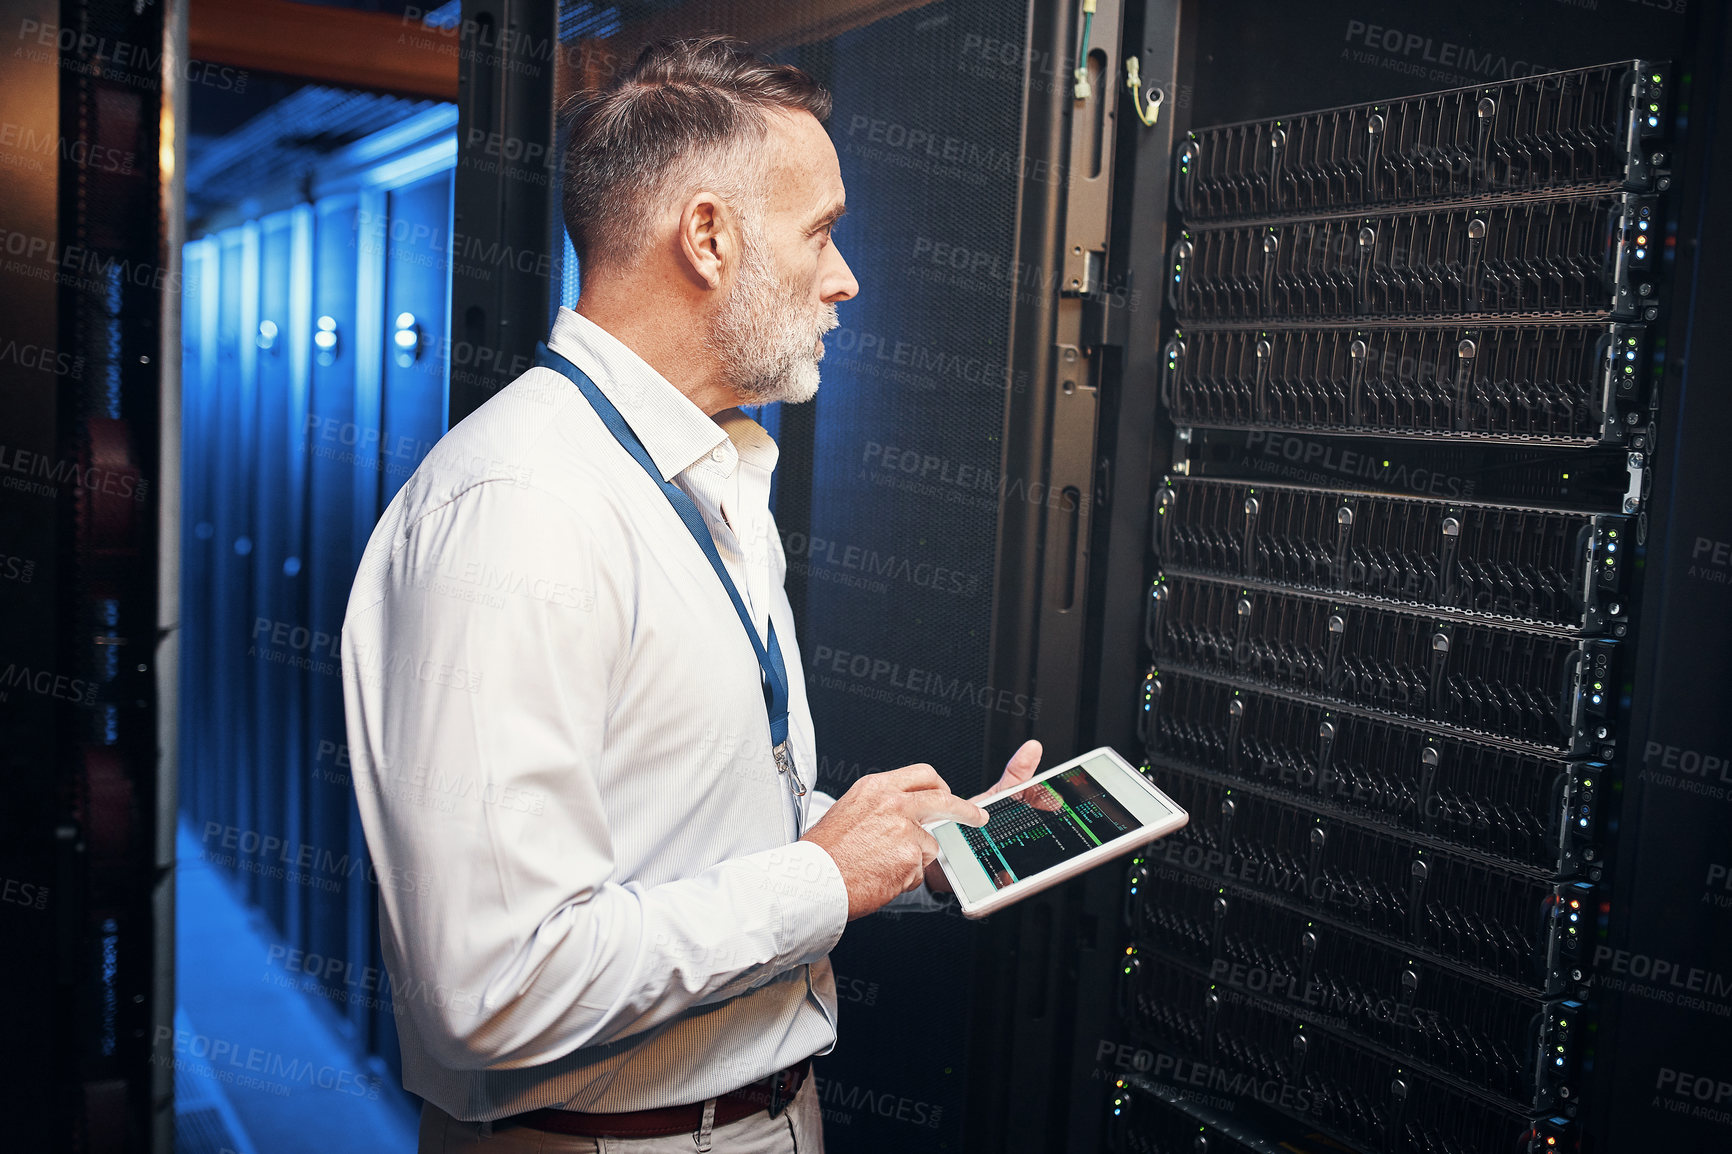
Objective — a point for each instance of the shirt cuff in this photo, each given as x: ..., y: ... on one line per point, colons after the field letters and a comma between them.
x: 812, y: 898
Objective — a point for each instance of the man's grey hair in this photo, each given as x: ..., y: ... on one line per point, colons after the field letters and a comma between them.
x: 686, y: 115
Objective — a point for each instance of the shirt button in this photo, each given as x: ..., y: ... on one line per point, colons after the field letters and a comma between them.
x: 717, y: 455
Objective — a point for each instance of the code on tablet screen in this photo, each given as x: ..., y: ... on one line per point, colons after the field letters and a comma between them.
x: 1046, y: 824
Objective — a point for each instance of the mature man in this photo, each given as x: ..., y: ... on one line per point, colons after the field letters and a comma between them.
x: 583, y: 754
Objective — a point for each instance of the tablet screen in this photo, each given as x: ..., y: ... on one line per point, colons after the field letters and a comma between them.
x: 1046, y: 824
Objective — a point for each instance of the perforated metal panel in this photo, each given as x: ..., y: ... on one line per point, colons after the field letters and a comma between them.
x: 897, y: 561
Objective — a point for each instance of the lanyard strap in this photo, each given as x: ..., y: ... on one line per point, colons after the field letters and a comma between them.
x: 769, y: 658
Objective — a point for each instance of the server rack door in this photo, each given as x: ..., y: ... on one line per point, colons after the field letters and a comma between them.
x: 304, y: 760
x: 198, y: 337
x: 339, y: 465
x: 896, y: 564
x: 417, y: 291
x: 276, y: 545
x: 358, y: 890
x: 233, y: 512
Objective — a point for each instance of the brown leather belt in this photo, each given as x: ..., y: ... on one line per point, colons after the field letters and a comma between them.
x: 772, y: 1093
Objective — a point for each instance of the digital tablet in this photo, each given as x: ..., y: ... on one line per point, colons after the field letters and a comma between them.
x: 1064, y: 821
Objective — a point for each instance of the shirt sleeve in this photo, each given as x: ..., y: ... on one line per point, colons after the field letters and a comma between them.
x: 479, y: 657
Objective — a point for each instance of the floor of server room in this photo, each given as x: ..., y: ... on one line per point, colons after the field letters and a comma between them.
x: 288, y: 1082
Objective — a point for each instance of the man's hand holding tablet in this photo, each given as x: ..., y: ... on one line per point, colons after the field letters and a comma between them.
x: 1047, y: 828
x: 875, y: 832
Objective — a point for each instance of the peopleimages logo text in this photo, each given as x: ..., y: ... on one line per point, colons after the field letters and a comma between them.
x: 1348, y: 463
x: 1444, y: 53
x: 921, y: 682
x: 1662, y: 971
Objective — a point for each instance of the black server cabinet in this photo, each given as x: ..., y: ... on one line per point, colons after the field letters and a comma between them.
x: 1407, y: 469
x: 84, y: 948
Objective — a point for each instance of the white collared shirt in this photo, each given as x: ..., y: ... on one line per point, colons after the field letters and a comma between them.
x: 591, y: 892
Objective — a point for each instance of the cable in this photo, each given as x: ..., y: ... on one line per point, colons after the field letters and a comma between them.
x: 1083, y: 91
x: 1134, y: 82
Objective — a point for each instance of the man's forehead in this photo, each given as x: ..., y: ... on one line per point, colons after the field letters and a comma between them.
x: 803, y: 162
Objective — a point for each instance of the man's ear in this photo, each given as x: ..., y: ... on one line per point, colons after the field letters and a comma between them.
x: 706, y: 240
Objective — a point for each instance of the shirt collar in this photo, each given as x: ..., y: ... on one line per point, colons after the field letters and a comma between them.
x: 675, y: 432
x: 753, y: 443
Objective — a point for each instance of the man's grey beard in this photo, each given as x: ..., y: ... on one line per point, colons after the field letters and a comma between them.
x: 768, y: 339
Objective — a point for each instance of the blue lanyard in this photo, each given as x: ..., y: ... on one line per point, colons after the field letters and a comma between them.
x: 769, y: 657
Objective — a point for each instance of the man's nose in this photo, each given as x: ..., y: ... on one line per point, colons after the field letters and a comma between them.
x: 836, y: 282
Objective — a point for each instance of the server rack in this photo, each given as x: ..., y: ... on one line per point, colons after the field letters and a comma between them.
x: 1409, y: 368
x: 85, y: 946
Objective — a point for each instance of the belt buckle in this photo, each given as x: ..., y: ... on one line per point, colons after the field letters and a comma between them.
x: 779, y: 1097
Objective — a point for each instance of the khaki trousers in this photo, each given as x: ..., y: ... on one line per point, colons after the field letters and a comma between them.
x: 799, y: 1129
